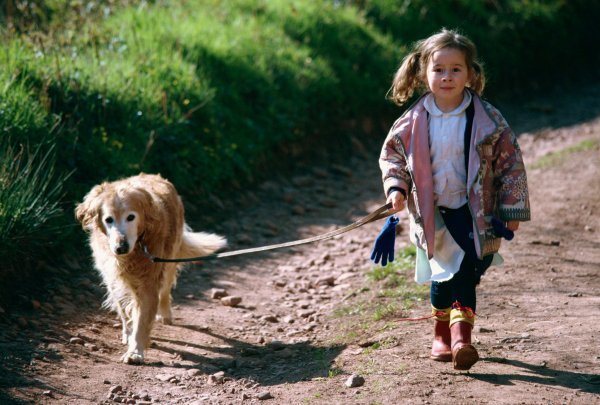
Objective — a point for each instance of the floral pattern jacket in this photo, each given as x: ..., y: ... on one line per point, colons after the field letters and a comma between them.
x: 496, y: 178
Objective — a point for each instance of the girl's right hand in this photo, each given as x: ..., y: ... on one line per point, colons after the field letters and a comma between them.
x: 397, y: 200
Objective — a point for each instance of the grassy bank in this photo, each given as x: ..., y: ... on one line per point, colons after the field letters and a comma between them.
x: 210, y: 93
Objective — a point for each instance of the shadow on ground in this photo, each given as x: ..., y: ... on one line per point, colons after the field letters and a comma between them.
x: 271, y: 364
x: 542, y: 375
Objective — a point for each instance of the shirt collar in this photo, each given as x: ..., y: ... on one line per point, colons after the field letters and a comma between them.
x: 429, y: 104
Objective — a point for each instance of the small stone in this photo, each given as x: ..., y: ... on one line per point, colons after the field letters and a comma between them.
x: 47, y: 393
x: 115, y: 389
x: 262, y: 396
x: 231, y: 301
x: 193, y: 372
x: 280, y: 283
x: 326, y: 281
x: 354, y: 380
x: 76, y: 341
x: 270, y: 318
x: 306, y: 313
x: 217, y: 293
x: 164, y: 377
x: 216, y: 378
x: 91, y: 346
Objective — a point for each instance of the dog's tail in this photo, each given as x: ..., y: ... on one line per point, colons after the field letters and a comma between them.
x: 200, y: 244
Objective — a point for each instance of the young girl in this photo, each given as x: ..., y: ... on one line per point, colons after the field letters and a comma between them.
x: 453, y: 158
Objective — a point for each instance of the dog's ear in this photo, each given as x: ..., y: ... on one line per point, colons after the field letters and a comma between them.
x: 88, y: 211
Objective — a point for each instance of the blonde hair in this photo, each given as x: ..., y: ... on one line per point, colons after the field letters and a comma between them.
x: 411, y: 75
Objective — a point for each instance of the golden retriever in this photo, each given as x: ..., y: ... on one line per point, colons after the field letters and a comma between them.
x: 122, y: 215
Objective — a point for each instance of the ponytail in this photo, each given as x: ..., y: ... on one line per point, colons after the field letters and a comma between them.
x: 407, y: 79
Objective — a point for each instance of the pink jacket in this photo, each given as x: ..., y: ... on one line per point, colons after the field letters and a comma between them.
x: 496, y: 179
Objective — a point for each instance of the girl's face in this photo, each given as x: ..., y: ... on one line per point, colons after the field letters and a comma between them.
x: 447, y: 76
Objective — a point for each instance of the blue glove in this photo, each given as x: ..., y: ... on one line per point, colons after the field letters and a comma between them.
x: 501, y: 230
x: 384, y: 244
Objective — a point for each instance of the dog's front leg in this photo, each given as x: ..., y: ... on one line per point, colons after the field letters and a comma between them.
x: 164, y: 304
x: 125, y: 323
x: 143, y: 316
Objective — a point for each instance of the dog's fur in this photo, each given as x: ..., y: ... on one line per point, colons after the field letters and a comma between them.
x: 145, y: 209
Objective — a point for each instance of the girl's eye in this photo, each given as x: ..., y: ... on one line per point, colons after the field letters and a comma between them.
x: 109, y: 220
x: 130, y: 217
x: 456, y: 70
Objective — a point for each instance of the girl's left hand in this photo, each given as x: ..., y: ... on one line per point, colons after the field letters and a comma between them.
x: 512, y: 225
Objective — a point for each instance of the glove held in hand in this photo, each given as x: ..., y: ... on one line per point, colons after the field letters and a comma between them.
x: 383, y: 249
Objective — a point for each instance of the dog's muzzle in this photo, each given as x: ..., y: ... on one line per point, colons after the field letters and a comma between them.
x: 123, y: 248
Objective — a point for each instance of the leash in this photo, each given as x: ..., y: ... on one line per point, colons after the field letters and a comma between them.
x: 379, y: 213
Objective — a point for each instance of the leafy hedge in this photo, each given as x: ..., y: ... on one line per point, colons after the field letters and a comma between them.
x: 207, y: 91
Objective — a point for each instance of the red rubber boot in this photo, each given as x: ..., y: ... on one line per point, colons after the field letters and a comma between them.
x: 440, y: 349
x: 464, y: 354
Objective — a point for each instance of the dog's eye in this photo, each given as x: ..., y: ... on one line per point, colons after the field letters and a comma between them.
x: 109, y: 220
x: 130, y: 217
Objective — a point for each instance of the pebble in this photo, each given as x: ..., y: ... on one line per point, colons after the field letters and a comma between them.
x: 115, y: 389
x: 325, y: 281
x: 264, y: 395
x: 76, y: 341
x: 216, y: 378
x: 354, y: 380
x: 193, y: 372
x: 270, y: 318
x: 231, y: 301
x: 217, y: 293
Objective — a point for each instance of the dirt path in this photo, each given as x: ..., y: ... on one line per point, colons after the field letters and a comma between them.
x: 313, y: 315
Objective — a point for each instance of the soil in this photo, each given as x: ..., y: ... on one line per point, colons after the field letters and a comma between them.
x: 311, y: 316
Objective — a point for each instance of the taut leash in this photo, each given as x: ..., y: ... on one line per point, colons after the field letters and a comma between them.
x: 379, y: 213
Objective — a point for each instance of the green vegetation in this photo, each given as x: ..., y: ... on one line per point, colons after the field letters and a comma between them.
x: 554, y: 158
x: 214, y: 94
x: 390, y: 294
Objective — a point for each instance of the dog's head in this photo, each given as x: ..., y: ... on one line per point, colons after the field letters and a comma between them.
x: 118, y: 211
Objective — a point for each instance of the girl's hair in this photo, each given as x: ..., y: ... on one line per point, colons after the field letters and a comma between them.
x: 412, y: 72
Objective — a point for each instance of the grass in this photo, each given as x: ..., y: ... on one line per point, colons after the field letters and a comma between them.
x: 31, y: 215
x: 554, y: 158
x: 390, y: 292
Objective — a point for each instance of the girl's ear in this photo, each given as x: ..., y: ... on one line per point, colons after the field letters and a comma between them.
x: 88, y: 211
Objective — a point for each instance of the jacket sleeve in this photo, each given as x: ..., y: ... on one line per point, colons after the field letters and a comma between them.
x: 511, y: 179
x: 392, y: 163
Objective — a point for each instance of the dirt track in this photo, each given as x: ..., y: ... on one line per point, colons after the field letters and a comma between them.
x: 303, y: 326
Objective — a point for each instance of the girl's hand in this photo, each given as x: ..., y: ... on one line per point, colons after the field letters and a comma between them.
x: 512, y: 225
x: 397, y: 200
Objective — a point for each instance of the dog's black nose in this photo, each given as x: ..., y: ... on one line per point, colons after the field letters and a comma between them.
x: 123, y: 248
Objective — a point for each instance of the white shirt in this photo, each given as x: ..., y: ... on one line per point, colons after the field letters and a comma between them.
x: 446, y: 140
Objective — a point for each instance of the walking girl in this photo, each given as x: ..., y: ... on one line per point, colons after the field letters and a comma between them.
x: 453, y: 159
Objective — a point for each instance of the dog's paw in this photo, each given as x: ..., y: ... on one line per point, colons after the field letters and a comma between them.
x: 166, y: 320
x: 132, y: 358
